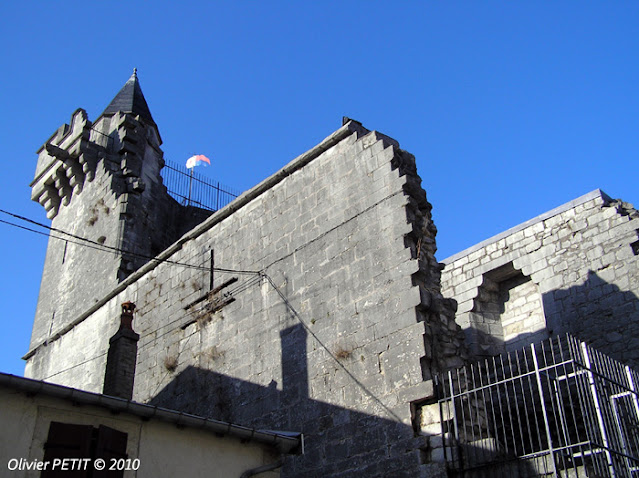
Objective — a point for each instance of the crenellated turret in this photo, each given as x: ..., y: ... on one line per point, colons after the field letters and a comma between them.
x: 64, y: 164
x: 101, y: 181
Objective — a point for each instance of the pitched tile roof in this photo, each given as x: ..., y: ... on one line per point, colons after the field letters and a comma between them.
x: 131, y: 100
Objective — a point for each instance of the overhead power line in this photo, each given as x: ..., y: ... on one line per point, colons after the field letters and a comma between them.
x: 83, y: 241
x: 259, y: 275
x: 327, y: 350
x: 143, y: 344
x: 236, y: 290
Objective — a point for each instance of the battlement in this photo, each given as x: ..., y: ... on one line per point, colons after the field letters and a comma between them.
x: 101, y: 186
x: 63, y: 165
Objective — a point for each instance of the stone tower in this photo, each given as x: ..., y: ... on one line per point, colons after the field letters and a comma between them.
x: 100, y: 184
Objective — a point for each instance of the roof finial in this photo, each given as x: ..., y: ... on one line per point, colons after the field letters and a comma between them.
x: 135, y: 72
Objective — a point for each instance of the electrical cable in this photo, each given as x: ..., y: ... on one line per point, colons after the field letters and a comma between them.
x: 74, y: 366
x: 340, y: 364
x: 103, y: 247
x: 98, y: 247
x: 240, y: 288
x: 245, y: 285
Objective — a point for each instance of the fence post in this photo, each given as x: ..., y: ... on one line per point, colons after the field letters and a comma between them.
x: 595, y: 399
x: 455, y: 455
x: 543, y: 409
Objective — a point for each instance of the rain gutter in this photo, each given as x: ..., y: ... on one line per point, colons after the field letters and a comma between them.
x: 284, y: 442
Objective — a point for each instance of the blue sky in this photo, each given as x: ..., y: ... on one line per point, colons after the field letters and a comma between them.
x: 511, y: 108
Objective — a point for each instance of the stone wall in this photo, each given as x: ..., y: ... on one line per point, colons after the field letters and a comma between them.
x: 574, y: 271
x: 323, y: 314
x: 522, y: 310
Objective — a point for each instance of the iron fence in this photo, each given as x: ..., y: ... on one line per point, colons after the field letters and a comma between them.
x: 189, y: 188
x: 558, y: 408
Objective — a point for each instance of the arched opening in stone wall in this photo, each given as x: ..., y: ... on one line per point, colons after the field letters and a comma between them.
x: 507, y: 312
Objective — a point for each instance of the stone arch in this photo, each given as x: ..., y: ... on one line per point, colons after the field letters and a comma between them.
x: 507, y: 312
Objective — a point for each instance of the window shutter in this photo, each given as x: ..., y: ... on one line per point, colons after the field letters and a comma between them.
x: 66, y: 440
x: 110, y: 444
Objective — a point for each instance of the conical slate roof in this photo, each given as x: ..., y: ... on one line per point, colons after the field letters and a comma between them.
x: 130, y: 100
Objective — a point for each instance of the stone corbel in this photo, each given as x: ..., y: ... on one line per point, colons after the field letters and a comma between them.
x: 88, y: 164
x: 49, y: 199
x: 135, y: 184
x: 61, y: 182
x: 57, y: 152
x: 75, y: 175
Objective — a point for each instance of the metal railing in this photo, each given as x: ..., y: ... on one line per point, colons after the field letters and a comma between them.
x: 557, y: 408
x: 194, y: 189
x: 184, y: 185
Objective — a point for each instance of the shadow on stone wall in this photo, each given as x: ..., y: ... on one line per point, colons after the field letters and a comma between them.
x: 599, y: 313
x: 338, y: 441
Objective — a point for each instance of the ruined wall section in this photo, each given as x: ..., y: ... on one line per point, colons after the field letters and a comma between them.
x: 443, y: 341
x: 328, y: 340
x: 581, y: 260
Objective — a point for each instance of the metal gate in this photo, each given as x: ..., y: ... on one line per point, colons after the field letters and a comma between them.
x: 557, y: 408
